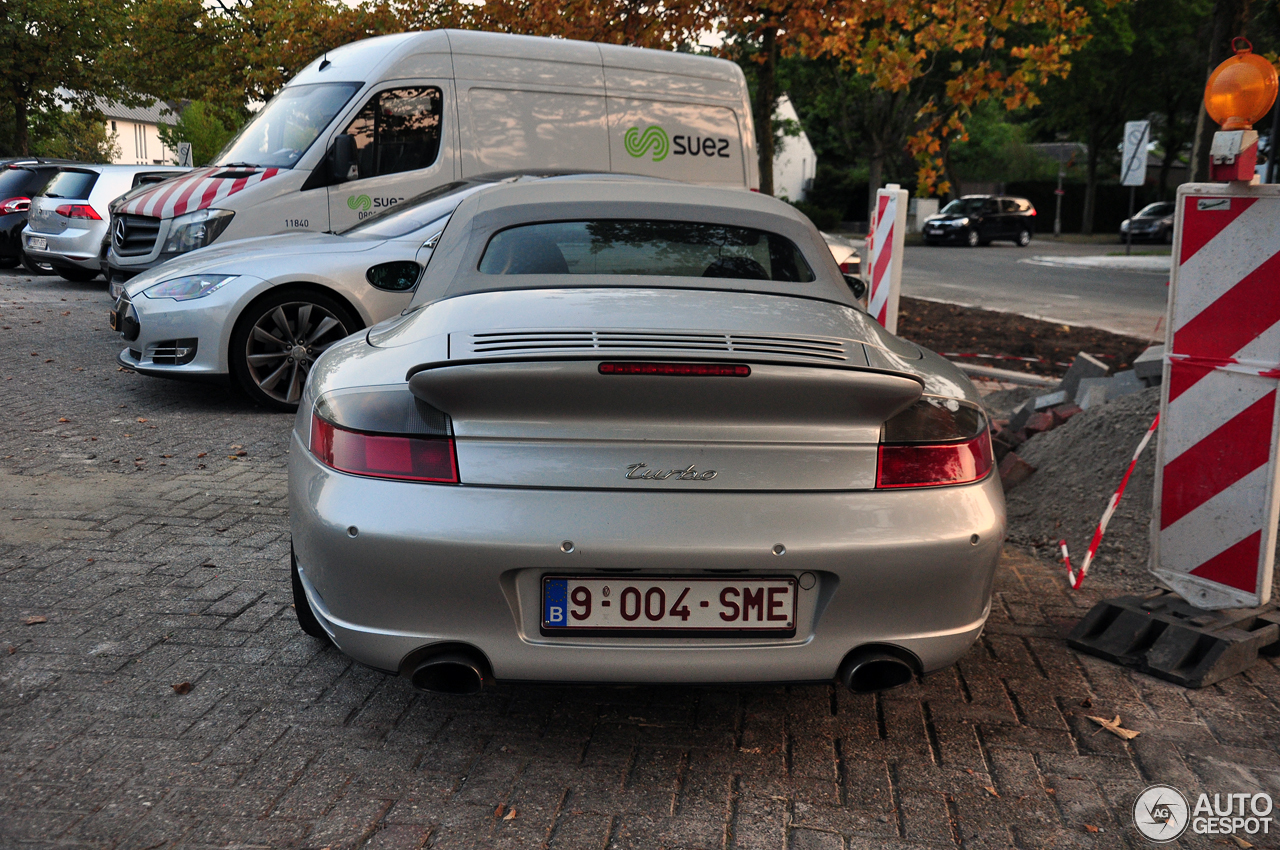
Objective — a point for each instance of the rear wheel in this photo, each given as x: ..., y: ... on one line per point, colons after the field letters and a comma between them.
x: 76, y: 275
x: 35, y: 266
x: 301, y: 607
x: 1024, y: 238
x: 278, y: 338
x: 974, y: 240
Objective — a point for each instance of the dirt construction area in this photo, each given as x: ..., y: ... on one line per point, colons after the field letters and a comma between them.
x: 155, y: 691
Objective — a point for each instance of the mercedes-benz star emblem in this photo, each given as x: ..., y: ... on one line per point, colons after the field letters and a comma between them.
x: 118, y: 233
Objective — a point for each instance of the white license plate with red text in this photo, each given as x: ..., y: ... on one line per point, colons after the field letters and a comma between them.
x: 697, y: 606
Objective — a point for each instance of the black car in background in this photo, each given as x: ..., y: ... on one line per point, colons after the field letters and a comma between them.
x: 20, y: 179
x: 1153, y: 223
x: 981, y: 219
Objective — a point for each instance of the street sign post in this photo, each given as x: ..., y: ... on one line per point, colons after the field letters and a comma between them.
x: 184, y: 154
x: 888, y: 233
x: 1133, y: 171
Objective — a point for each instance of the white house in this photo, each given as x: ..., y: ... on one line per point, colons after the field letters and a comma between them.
x: 794, y: 162
x: 137, y: 132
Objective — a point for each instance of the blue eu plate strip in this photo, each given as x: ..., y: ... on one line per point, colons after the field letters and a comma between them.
x: 555, y: 602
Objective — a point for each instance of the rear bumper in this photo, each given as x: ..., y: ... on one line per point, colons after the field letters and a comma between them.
x: 950, y: 234
x: 74, y: 247
x: 463, y: 564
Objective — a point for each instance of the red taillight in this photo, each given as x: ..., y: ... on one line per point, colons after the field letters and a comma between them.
x: 78, y: 211
x: 13, y: 205
x: 1033, y: 210
x: 850, y: 266
x: 379, y: 456
x: 705, y: 370
x: 932, y: 466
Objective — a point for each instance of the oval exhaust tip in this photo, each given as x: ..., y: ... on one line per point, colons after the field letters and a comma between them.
x: 448, y: 674
x: 871, y: 669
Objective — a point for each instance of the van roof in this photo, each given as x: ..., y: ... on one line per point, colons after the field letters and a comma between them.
x: 385, y: 54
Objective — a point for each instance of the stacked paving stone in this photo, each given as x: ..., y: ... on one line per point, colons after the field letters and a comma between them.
x: 1086, y: 385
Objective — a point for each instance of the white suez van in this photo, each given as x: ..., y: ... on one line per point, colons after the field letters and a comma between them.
x: 377, y: 121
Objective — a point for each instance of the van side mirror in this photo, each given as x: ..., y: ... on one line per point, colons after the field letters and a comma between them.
x: 342, y: 158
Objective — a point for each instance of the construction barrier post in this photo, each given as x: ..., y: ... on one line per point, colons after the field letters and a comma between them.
x: 1213, y: 528
x: 888, y: 233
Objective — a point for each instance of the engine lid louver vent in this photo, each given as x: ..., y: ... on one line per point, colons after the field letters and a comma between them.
x: 515, y: 343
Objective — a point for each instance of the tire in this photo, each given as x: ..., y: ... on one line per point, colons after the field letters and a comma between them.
x: 76, y: 275
x: 34, y: 267
x: 267, y: 360
x: 9, y: 262
x: 301, y: 607
x: 1024, y: 238
x: 973, y: 240
x: 1167, y: 236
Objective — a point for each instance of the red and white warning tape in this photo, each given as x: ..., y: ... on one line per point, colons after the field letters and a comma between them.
x: 1076, y: 579
x: 1229, y: 364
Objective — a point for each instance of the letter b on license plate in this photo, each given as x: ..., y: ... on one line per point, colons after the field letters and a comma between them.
x: 621, y: 605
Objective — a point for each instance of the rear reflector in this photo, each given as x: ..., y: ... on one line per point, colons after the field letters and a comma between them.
x: 78, y: 211
x: 379, y: 456
x: 934, y: 466
x: 705, y: 370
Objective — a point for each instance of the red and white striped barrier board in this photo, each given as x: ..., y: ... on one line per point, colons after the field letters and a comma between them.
x: 1214, y: 524
x: 884, y: 244
x: 195, y: 190
x: 1075, y: 578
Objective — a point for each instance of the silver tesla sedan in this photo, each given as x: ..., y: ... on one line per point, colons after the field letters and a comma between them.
x: 640, y: 432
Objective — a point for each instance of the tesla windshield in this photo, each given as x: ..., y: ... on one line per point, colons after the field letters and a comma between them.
x: 281, y: 132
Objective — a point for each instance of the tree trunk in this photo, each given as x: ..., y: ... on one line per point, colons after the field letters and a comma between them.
x: 20, y: 138
x: 1228, y: 22
x: 1090, y: 189
x: 875, y: 171
x: 766, y: 99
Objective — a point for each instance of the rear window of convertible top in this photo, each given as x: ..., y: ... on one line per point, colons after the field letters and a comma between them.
x: 636, y: 247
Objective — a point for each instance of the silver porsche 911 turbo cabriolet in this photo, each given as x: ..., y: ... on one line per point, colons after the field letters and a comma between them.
x: 640, y: 432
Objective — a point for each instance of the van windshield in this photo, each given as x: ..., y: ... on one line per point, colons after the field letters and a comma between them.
x: 285, y: 128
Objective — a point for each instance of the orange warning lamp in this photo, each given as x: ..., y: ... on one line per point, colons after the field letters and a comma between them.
x: 1241, y: 90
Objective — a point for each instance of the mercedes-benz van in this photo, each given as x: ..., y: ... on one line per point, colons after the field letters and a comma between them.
x: 377, y: 121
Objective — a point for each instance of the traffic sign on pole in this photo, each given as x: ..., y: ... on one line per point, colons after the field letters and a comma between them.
x: 1134, y: 161
x: 888, y: 233
x: 184, y: 154
x: 1216, y: 507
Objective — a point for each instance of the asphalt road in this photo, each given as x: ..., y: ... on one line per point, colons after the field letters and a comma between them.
x: 1004, y: 277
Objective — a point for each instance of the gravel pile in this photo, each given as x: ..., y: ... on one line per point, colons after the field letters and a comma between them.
x: 1078, y: 466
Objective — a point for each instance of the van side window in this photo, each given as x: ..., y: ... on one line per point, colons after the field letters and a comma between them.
x: 398, y: 130
x: 1009, y: 205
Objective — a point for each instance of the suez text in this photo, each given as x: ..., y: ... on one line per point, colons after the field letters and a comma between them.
x: 700, y: 145
x: 769, y: 604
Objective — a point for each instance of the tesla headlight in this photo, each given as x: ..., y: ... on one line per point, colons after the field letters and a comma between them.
x: 190, y: 287
x: 196, y: 230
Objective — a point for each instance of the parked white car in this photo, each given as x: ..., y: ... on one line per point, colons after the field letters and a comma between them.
x: 68, y: 220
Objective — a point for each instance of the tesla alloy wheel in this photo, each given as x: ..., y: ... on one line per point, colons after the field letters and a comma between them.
x: 279, y: 337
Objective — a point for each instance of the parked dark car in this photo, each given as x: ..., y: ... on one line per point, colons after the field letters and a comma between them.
x: 1153, y: 223
x: 981, y: 219
x: 20, y: 179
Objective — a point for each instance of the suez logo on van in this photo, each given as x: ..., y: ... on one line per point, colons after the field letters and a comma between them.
x: 654, y: 141
x: 367, y: 205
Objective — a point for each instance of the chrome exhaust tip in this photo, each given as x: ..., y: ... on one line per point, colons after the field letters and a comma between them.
x: 874, y: 668
x: 449, y: 673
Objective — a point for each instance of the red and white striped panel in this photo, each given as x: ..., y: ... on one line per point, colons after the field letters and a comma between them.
x: 1215, y: 522
x: 884, y: 244
x: 196, y: 190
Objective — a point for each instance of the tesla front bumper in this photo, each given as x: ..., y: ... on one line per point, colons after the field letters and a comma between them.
x: 392, y: 567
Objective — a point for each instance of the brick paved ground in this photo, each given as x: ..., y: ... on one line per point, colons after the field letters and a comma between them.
x: 155, y: 558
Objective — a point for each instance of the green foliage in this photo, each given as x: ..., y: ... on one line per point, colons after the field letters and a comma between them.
x: 997, y: 150
x: 79, y: 135
x: 823, y: 218
x: 199, y: 125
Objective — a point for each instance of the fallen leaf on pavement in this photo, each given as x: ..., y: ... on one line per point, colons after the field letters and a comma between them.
x: 511, y: 815
x: 992, y: 791
x: 1090, y: 827
x: 498, y: 812
x: 202, y: 454
x: 1114, y: 727
x: 140, y: 419
x: 64, y: 419
x: 1241, y: 843
x: 35, y: 621
x: 182, y: 688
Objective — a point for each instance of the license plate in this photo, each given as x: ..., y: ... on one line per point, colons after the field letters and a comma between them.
x: 114, y: 319
x: 621, y: 605
x: 37, y: 242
